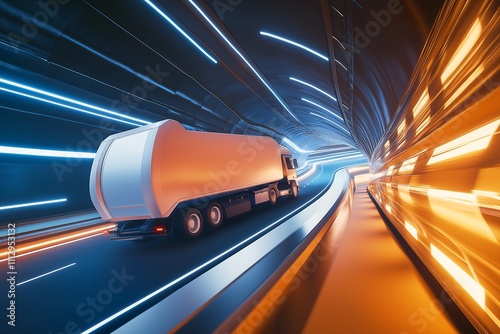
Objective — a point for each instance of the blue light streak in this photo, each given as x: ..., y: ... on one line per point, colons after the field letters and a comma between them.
x: 45, y: 153
x: 244, y: 59
x: 63, y: 98
x: 335, y: 157
x: 17, y: 206
x: 179, y: 29
x: 294, y: 146
x: 326, y: 119
x: 313, y: 87
x: 295, y: 44
x: 320, y: 106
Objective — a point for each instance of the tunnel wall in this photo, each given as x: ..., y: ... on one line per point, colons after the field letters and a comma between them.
x: 436, y: 170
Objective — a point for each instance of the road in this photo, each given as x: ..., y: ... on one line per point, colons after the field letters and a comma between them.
x: 99, y: 277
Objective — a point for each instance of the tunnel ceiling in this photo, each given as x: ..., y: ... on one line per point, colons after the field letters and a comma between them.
x: 229, y: 70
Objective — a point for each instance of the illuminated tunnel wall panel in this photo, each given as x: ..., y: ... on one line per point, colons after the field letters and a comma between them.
x: 436, y: 170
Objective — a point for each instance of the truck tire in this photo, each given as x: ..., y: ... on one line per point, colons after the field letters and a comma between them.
x: 189, y: 223
x: 214, y: 215
x: 294, y: 189
x: 273, y: 194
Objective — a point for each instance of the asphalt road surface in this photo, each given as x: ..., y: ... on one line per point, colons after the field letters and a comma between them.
x: 101, y: 277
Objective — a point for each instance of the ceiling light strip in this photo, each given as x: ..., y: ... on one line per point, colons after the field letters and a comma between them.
x: 326, y: 119
x: 242, y: 57
x: 66, y: 106
x: 313, y: 87
x: 321, y: 107
x: 179, y: 29
x: 60, y: 97
x: 295, y: 44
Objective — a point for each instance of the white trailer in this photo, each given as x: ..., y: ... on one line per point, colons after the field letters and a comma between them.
x: 160, y: 177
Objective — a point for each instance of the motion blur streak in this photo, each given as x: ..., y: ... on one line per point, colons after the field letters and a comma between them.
x: 57, y: 241
x: 45, y: 153
x: 440, y: 187
x: 468, y: 283
x: 179, y: 29
x: 66, y: 99
x: 17, y: 206
x: 295, y: 44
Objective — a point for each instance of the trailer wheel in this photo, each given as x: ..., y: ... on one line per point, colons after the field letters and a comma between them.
x: 190, y: 223
x: 214, y: 214
x: 273, y: 194
x: 294, y: 189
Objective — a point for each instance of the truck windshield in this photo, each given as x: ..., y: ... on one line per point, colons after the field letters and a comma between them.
x: 289, y: 163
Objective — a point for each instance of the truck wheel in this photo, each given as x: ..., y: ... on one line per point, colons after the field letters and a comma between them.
x: 273, y: 194
x: 214, y: 215
x: 294, y: 189
x: 190, y: 223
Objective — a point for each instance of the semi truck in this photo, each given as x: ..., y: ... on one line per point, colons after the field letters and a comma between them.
x: 161, y: 178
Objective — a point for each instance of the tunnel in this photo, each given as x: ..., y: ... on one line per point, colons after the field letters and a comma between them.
x: 401, y: 94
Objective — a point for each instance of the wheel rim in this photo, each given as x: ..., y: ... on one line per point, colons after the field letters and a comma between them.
x: 273, y: 195
x: 215, y: 215
x: 193, y: 223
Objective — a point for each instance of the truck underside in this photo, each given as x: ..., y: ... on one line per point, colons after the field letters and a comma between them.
x: 189, y: 219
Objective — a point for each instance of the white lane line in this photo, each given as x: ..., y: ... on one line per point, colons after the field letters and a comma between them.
x: 50, y: 272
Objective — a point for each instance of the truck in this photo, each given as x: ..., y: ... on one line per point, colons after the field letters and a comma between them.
x: 161, y: 178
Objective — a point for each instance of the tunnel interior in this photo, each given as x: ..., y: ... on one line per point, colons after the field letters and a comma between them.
x: 412, y: 86
x: 74, y: 72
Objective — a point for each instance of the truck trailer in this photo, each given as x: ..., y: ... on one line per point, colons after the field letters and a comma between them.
x: 162, y: 178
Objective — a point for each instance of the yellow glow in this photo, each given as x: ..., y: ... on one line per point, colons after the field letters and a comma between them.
x: 453, y: 195
x: 485, y: 193
x: 388, y: 208
x: 404, y: 193
x: 423, y: 125
x: 463, y: 50
x: 386, y: 145
x: 410, y: 228
x: 389, y: 187
x: 421, y: 190
x: 468, y: 283
x: 401, y: 127
x: 52, y: 246
x: 408, y: 165
x: 476, y: 140
x: 389, y: 170
x: 421, y: 103
x: 461, y: 211
x: 466, y: 84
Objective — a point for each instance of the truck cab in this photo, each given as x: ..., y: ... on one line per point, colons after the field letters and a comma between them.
x: 289, y: 174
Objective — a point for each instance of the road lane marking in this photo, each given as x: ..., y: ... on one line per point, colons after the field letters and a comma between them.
x: 50, y: 272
